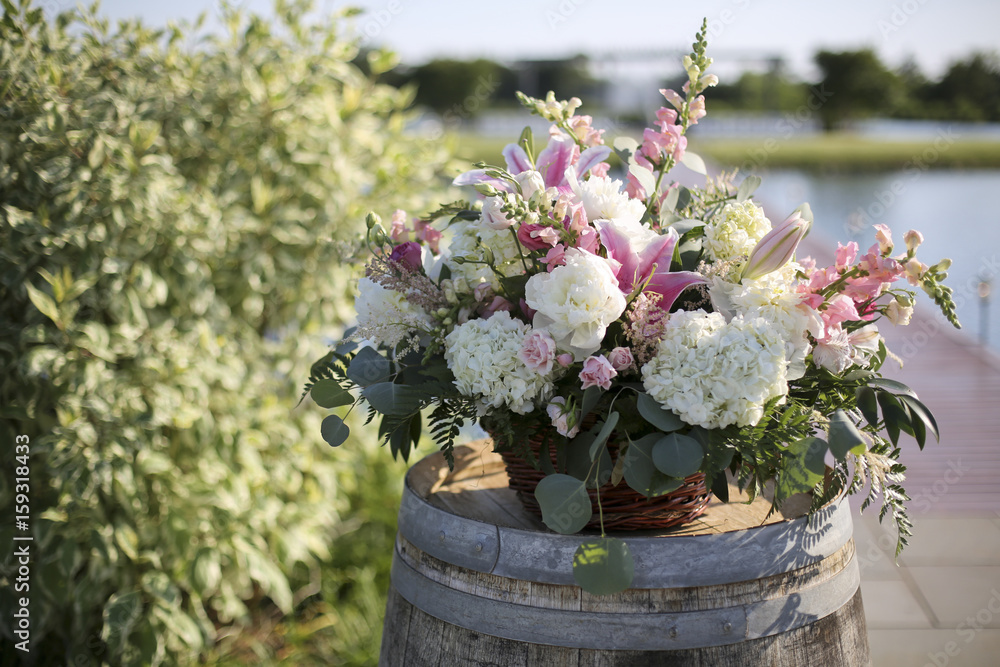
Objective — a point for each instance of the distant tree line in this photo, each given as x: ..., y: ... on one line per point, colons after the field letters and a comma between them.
x: 855, y: 85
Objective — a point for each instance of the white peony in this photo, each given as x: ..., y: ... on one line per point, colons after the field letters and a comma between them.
x: 603, y: 199
x: 712, y: 373
x: 576, y: 302
x: 484, y: 355
x: 385, y: 316
x: 735, y: 231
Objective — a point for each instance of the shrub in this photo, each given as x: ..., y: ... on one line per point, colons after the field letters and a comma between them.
x: 175, y: 223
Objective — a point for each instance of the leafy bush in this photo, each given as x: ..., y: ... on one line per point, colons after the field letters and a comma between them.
x: 174, y: 220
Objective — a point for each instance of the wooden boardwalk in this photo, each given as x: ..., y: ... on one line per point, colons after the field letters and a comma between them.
x: 959, y: 380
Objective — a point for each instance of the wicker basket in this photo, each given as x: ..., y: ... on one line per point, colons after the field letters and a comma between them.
x: 623, y: 508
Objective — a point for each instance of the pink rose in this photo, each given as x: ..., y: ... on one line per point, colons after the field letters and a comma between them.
x: 407, y: 254
x: 621, y: 358
x: 538, y: 351
x: 498, y: 303
x: 565, y: 359
x: 597, y: 372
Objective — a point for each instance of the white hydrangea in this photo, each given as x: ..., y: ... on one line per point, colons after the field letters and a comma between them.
x: 712, y: 373
x: 576, y: 302
x: 735, y: 230
x: 772, y: 297
x: 385, y: 316
x: 483, y: 355
x: 467, y: 239
x: 603, y: 199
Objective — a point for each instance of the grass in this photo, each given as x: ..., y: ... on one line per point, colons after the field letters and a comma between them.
x: 828, y: 152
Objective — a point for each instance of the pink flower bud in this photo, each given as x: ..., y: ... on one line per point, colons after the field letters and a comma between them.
x: 777, y: 247
x: 884, y: 237
x: 913, y: 239
x: 565, y: 359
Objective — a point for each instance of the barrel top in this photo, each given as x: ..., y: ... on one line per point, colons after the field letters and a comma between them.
x: 469, y: 518
x: 477, y: 489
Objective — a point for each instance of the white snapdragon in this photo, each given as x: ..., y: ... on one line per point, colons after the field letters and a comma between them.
x: 385, y: 316
x: 735, y: 230
x: 712, y: 373
x: 485, y: 357
x: 576, y: 302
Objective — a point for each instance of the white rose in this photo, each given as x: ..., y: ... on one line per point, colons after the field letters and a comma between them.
x: 576, y: 302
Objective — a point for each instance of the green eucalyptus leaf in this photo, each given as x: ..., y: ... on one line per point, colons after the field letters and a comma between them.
x: 640, y: 471
x: 657, y: 415
x: 748, y: 187
x: 844, y: 436
x: 564, y: 502
x: 895, y: 415
x: 335, y: 431
x: 678, y: 455
x: 803, y: 467
x: 591, y: 397
x: 604, y: 434
x: 644, y: 176
x: 694, y: 162
x: 603, y: 566
x: 594, y: 470
x: 393, y: 399
x: 329, y: 394
x: 920, y: 412
x: 368, y: 367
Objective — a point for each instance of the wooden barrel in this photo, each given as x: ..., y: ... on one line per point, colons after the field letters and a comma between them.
x: 476, y: 580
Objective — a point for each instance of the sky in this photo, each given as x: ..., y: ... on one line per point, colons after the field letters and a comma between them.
x: 934, y: 33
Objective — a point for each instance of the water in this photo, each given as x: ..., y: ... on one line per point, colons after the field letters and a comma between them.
x: 954, y: 210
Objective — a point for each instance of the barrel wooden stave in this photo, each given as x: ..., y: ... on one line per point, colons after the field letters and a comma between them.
x: 416, y: 639
x: 470, y: 592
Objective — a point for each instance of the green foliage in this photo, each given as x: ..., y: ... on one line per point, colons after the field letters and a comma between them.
x: 175, y: 225
x: 858, y: 85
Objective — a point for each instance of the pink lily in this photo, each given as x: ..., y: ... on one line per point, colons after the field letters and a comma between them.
x: 643, y: 255
x: 777, y: 247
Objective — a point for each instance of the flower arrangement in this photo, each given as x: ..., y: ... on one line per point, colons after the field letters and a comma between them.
x: 675, y: 322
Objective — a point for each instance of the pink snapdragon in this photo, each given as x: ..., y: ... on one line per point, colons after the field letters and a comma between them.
x: 597, y: 372
x: 538, y: 351
x: 397, y: 230
x: 846, y: 254
x: 913, y: 239
x: 584, y: 131
x: 556, y: 256
x: 884, y: 237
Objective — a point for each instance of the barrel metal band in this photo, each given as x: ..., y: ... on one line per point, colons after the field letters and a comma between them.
x: 669, y: 561
x: 633, y: 631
